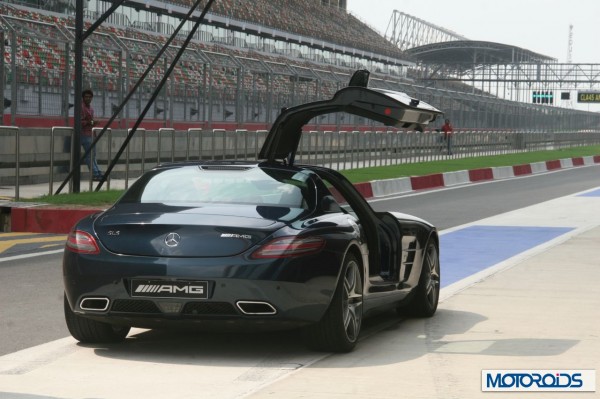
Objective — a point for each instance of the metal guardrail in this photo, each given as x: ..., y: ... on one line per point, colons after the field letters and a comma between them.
x: 46, y: 157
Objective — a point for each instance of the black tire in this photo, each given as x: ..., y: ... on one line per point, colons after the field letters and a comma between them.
x: 339, y: 328
x: 425, y: 299
x: 89, y: 331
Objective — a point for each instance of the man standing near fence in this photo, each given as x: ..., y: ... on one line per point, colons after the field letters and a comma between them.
x: 87, y: 134
x: 448, y: 131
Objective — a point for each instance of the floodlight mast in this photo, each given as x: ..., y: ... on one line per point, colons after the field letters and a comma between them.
x: 76, y: 139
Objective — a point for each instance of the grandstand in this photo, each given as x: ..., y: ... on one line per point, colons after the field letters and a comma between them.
x: 248, y: 61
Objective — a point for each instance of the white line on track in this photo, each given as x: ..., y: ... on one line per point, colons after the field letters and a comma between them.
x: 32, y: 255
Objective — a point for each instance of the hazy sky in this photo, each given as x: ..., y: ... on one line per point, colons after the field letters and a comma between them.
x: 541, y: 26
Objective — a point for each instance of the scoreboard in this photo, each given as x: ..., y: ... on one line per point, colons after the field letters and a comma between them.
x: 588, y: 97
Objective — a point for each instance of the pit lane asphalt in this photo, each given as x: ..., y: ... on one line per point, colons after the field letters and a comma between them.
x: 479, y: 327
x: 537, y: 310
x: 15, y: 244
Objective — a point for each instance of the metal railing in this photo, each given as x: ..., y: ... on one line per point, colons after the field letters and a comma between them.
x: 44, y: 157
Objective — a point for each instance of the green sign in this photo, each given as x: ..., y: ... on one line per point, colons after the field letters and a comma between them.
x: 588, y: 97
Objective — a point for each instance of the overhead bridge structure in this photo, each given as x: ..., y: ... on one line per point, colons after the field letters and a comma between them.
x: 406, y: 32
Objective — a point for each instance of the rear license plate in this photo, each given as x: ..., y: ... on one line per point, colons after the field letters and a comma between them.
x: 169, y: 289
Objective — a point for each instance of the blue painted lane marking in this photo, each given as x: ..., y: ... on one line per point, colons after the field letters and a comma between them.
x: 595, y: 193
x: 472, y: 249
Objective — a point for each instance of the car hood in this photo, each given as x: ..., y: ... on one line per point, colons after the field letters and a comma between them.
x: 183, y: 231
x: 391, y: 108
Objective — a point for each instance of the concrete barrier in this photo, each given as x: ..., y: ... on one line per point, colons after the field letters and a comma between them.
x: 456, y: 178
x: 481, y: 174
x: 503, y: 172
x: 520, y: 170
x: 427, y: 182
x: 552, y: 165
x: 538, y: 167
x: 365, y: 189
x: 566, y: 163
x: 577, y: 161
x: 381, y: 188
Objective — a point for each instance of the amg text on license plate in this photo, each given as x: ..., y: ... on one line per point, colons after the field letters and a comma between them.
x: 169, y: 289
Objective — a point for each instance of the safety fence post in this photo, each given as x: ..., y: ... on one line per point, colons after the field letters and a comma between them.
x: 10, y: 130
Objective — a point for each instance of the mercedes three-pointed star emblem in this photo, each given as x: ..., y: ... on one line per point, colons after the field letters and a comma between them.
x: 172, y: 240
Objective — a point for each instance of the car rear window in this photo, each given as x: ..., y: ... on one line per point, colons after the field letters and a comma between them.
x: 255, y: 186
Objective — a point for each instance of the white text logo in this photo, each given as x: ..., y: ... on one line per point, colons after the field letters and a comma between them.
x: 170, y: 289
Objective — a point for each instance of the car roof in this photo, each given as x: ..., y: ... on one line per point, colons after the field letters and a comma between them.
x: 391, y: 108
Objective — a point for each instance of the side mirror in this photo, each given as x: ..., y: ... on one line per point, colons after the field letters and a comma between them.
x: 330, y: 205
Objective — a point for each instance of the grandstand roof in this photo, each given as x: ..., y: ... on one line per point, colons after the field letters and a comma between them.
x: 475, y: 52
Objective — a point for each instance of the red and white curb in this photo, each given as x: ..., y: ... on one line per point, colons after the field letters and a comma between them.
x: 383, y: 188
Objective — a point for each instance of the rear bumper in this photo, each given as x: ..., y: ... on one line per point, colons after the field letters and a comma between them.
x: 105, y: 289
x: 232, y: 302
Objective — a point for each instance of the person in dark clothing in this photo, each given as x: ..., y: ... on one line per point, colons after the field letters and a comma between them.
x: 448, y: 131
x: 87, y: 134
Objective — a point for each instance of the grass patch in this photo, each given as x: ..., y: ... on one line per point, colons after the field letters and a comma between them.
x: 104, y: 198
x: 452, y: 165
x: 100, y: 198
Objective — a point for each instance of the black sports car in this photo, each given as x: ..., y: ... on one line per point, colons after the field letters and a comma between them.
x: 263, y: 244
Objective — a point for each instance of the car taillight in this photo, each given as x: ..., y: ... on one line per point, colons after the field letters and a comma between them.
x: 82, y: 243
x: 286, y: 247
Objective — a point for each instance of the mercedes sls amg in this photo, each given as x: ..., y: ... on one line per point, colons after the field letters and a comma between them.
x: 259, y: 244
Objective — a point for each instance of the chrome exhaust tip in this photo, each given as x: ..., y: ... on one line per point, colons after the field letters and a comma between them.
x: 95, y: 304
x: 256, y: 308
